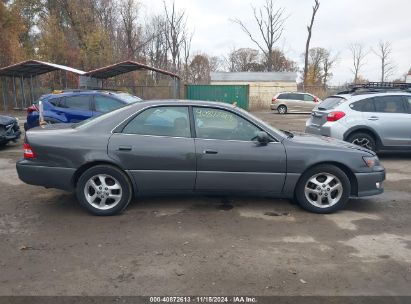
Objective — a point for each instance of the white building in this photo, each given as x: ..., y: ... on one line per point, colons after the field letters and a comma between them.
x: 263, y: 85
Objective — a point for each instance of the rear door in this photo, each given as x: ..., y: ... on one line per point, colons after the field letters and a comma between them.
x: 229, y: 160
x: 77, y: 108
x: 157, y: 148
x: 391, y: 120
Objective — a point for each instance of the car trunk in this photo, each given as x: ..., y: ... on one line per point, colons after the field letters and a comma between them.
x: 320, y: 112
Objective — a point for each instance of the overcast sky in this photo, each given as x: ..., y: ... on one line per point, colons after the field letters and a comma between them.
x: 338, y: 23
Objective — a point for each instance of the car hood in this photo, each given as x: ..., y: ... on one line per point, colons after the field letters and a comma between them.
x: 6, y: 120
x: 326, y: 142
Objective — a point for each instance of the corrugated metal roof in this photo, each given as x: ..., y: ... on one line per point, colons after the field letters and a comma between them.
x: 34, y: 67
x: 124, y: 67
x: 253, y: 76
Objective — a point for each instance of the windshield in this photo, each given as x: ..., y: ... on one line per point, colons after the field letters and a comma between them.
x: 263, y: 123
x: 128, y: 98
x: 331, y: 102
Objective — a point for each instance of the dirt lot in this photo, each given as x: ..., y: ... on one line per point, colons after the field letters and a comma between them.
x: 191, y: 246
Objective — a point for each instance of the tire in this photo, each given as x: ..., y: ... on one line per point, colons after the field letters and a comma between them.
x: 282, y: 109
x: 322, y: 199
x: 364, y: 140
x: 104, y: 182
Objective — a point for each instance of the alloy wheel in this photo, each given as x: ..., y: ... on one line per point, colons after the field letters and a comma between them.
x: 323, y: 190
x: 103, y: 191
x: 363, y: 142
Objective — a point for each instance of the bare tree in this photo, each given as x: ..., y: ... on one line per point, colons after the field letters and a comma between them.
x: 358, y: 55
x: 187, y: 50
x: 270, y: 21
x: 129, y: 10
x: 242, y: 60
x: 307, y: 44
x: 329, y: 62
x: 176, y: 33
x: 384, y: 52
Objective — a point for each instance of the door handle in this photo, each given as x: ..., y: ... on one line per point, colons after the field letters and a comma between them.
x: 124, y: 148
x: 373, y: 118
x: 210, y: 152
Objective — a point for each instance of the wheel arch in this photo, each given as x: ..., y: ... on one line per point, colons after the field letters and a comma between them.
x: 351, y: 176
x: 86, y: 166
x: 364, y: 129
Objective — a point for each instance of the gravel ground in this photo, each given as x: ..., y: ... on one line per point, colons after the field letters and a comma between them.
x: 203, y: 245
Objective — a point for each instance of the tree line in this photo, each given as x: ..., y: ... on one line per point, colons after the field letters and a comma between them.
x: 88, y: 34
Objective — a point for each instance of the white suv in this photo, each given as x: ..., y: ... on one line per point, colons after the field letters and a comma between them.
x: 374, y: 120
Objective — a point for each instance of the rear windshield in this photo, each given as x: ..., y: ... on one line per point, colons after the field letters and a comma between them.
x: 128, y: 98
x: 331, y: 102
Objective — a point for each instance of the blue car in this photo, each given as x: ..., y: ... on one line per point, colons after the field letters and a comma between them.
x: 75, y: 106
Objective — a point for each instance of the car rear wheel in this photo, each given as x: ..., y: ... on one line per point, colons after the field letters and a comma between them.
x: 323, y: 189
x: 104, y: 190
x: 363, y: 140
x: 282, y: 110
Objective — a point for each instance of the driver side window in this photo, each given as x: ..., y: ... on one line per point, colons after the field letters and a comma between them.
x: 213, y: 123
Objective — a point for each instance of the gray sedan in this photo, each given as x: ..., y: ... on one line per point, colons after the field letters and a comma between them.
x: 194, y: 147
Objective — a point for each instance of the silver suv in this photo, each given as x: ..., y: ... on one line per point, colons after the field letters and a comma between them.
x: 374, y: 120
x: 294, y: 102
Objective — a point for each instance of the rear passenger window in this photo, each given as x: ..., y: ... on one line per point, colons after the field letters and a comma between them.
x: 390, y: 104
x: 106, y: 104
x: 283, y: 96
x: 297, y: 96
x: 366, y: 105
x: 408, y: 98
x: 79, y: 102
x: 161, y: 121
x: 57, y: 102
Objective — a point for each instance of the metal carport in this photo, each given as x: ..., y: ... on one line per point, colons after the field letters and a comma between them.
x: 29, y: 69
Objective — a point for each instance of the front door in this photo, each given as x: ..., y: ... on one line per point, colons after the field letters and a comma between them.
x: 156, y: 147
x: 228, y: 157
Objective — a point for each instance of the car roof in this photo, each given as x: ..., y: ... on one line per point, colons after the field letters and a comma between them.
x: 62, y: 93
x: 356, y: 97
x: 182, y: 102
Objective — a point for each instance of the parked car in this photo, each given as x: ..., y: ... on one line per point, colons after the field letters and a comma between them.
x: 195, y: 147
x: 9, y: 129
x: 76, y: 105
x: 294, y: 102
x: 375, y: 120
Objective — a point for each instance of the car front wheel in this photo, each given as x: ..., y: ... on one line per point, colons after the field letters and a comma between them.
x: 323, y: 189
x: 104, y: 190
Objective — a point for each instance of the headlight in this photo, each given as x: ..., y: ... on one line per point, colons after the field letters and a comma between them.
x: 371, y: 161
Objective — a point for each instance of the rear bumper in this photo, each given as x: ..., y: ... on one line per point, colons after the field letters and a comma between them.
x: 370, y: 183
x: 274, y: 106
x: 49, y: 177
x: 324, y: 131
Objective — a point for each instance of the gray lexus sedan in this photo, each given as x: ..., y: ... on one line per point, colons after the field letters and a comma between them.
x: 197, y: 147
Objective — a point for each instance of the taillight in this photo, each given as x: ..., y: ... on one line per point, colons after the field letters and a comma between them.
x: 315, y: 99
x: 28, y: 151
x: 32, y: 109
x: 334, y: 116
x: 274, y: 99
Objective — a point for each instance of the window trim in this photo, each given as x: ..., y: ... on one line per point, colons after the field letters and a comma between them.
x: 130, y: 118
x: 118, y: 129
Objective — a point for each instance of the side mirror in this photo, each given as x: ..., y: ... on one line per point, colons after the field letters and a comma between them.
x: 263, y: 138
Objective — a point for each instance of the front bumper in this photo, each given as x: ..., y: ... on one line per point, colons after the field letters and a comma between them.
x: 49, y: 177
x: 370, y: 183
x: 5, y: 138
